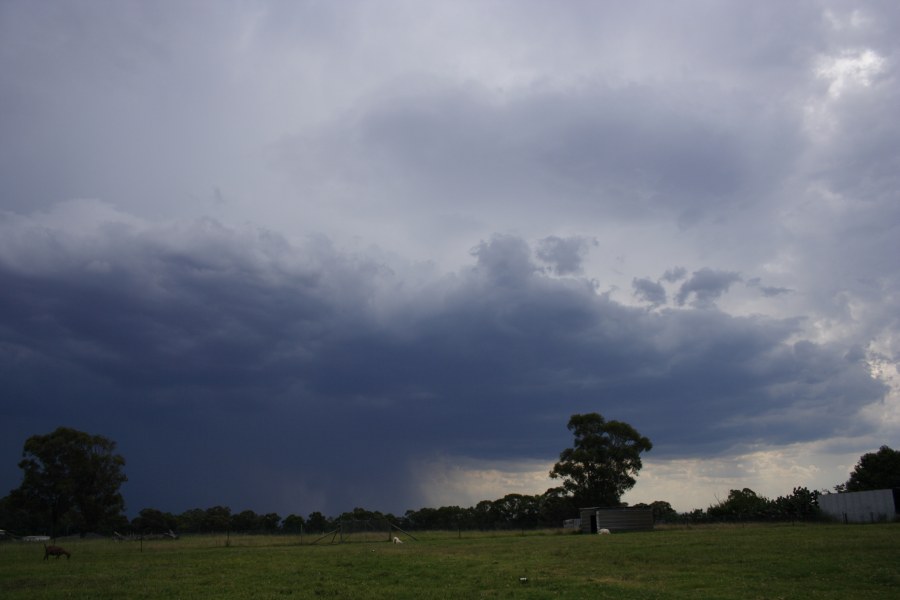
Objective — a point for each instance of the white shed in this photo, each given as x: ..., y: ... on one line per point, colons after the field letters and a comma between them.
x: 862, y: 507
x: 594, y: 519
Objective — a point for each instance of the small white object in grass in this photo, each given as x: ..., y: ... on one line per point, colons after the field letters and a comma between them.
x: 523, y: 579
x: 397, y: 540
x: 603, y: 532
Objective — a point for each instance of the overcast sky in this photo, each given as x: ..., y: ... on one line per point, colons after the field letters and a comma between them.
x: 307, y: 256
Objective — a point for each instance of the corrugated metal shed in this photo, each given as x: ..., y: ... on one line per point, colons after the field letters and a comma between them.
x: 594, y: 519
x: 862, y: 507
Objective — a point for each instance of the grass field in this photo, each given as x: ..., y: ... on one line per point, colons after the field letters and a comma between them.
x: 753, y: 561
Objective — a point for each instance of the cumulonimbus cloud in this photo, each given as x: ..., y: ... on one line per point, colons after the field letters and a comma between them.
x: 206, y: 323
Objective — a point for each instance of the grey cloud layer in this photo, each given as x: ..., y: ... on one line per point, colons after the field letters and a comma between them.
x: 623, y: 153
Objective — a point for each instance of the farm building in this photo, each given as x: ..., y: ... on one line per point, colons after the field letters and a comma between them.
x: 862, y: 507
x: 616, y: 519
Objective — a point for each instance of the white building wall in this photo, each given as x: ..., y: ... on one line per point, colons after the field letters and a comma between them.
x: 860, y: 507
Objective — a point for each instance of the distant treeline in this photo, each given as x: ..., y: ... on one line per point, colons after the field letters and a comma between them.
x: 513, y: 511
x: 746, y: 505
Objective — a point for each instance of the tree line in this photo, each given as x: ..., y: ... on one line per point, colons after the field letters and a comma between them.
x: 511, y: 512
x: 71, y: 483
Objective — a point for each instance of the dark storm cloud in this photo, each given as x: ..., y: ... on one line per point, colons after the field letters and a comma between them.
x: 705, y: 287
x: 649, y: 291
x: 305, y: 373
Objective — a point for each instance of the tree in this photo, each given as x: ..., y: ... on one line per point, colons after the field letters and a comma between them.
x: 217, y: 518
x: 293, y: 524
x: 662, y: 510
x: 15, y: 517
x: 742, y: 505
x: 485, y: 515
x: 246, y: 520
x: 875, y: 471
x: 801, y: 505
x: 556, y: 507
x: 518, y: 510
x: 317, y: 522
x: 191, y: 521
x: 604, y: 461
x: 72, y: 475
x: 151, y: 520
x: 270, y: 522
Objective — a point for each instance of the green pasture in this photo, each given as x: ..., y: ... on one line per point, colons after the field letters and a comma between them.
x: 752, y: 561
